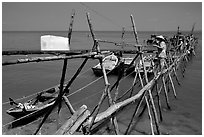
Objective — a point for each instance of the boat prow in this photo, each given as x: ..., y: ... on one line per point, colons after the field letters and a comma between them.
x: 34, y: 108
x: 110, y: 62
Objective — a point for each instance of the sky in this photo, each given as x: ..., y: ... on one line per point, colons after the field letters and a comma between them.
x: 105, y: 16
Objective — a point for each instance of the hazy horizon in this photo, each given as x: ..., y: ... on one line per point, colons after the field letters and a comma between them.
x: 105, y: 16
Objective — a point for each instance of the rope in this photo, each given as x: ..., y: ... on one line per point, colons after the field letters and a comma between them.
x: 65, y: 107
x: 67, y: 96
x: 53, y: 112
x: 105, y: 17
x: 41, y: 91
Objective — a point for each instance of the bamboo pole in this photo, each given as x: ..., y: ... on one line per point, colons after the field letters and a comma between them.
x: 61, y: 89
x: 175, y: 74
x: 145, y: 72
x: 60, y: 95
x: 137, y: 109
x: 146, y: 79
x: 119, y: 44
x: 107, y: 84
x: 166, y: 94
x: 52, y: 58
x: 114, y: 120
x: 69, y: 105
x: 70, y: 122
x: 70, y: 52
x: 172, y: 85
x: 133, y: 84
x: 57, y: 52
x: 95, y: 46
x: 107, y: 90
x: 120, y: 105
x: 62, y: 82
x: 159, y: 102
x: 112, y: 109
x: 174, y: 69
x: 78, y: 123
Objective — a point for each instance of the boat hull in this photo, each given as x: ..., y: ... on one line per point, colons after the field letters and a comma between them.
x: 99, y: 72
x: 25, y: 117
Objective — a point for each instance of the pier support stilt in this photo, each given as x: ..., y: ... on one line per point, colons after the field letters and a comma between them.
x: 175, y: 74
x: 158, y: 101
x: 166, y: 94
x: 172, y: 85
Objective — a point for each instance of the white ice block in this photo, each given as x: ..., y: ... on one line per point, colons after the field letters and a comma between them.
x: 50, y: 42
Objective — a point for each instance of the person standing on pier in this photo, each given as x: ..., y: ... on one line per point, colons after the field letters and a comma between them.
x: 161, y: 54
x: 180, y: 45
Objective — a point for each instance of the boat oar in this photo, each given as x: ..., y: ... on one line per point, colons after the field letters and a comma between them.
x: 12, y: 101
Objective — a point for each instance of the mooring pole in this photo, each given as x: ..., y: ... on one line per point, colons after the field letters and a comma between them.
x: 174, y: 69
x: 172, y: 85
x: 133, y: 84
x: 166, y: 94
x: 69, y: 105
x: 137, y: 108
x: 107, y: 90
x: 95, y: 46
x: 107, y: 84
x: 145, y: 72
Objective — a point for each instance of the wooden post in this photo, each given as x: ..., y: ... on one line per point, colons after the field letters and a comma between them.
x: 69, y: 123
x: 62, y: 81
x: 158, y: 99
x: 60, y: 95
x: 149, y: 91
x: 174, y: 69
x: 51, y: 58
x: 137, y: 108
x: 172, y: 85
x: 166, y: 94
x: 78, y: 123
x: 151, y: 98
x: 133, y: 84
x: 114, y: 120
x: 61, y: 89
x: 120, y: 105
x: 175, y: 74
x: 59, y: 98
x: 107, y: 90
x: 69, y: 105
x: 95, y: 46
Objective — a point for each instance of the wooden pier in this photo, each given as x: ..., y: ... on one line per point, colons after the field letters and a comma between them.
x: 85, y: 121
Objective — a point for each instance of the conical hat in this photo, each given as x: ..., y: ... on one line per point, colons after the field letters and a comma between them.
x: 160, y: 37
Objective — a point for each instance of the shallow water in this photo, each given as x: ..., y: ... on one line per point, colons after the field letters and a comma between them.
x: 185, y: 116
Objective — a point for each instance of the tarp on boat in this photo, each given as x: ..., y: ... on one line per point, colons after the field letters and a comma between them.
x: 50, y: 42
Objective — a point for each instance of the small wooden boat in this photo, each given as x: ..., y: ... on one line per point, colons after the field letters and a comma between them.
x: 127, y: 62
x: 110, y: 62
x: 35, y: 107
x: 148, y: 63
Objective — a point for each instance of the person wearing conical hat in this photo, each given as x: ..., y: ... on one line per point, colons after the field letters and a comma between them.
x: 161, y: 47
x: 180, y: 45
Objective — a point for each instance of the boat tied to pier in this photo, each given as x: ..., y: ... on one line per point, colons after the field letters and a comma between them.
x: 110, y: 62
x: 34, y: 107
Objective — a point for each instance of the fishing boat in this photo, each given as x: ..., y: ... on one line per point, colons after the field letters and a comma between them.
x: 33, y: 108
x: 127, y: 62
x: 148, y: 63
x: 110, y: 62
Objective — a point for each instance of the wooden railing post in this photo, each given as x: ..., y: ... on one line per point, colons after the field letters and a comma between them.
x: 145, y: 73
